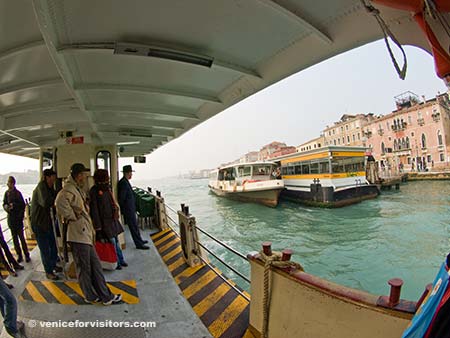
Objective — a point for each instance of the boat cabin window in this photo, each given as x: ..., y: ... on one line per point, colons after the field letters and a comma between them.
x: 306, y: 168
x: 227, y: 174
x: 262, y: 170
x: 244, y: 171
x: 348, y: 164
x: 103, y: 161
x: 47, y: 160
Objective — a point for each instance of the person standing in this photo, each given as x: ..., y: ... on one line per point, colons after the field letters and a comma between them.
x: 127, y: 204
x: 73, y: 210
x: 8, y: 308
x: 105, y: 213
x: 10, y: 264
x: 42, y: 202
x: 14, y: 205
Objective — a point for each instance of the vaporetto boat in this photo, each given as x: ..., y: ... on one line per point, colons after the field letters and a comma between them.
x: 330, y: 176
x: 248, y: 182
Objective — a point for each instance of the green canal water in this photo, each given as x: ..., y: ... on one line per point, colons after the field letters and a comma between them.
x: 402, y: 233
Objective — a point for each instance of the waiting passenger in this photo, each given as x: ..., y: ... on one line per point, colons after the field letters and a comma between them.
x: 105, y: 213
x: 278, y: 174
x: 73, y: 210
x: 14, y: 205
x: 42, y: 204
x: 10, y: 264
x: 127, y: 204
x: 8, y: 306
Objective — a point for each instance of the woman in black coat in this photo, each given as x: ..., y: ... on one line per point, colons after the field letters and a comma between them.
x: 105, y: 213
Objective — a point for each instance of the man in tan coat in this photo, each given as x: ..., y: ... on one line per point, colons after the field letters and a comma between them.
x: 72, y: 209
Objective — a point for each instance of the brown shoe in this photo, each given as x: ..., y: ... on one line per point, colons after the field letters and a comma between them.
x: 52, y: 276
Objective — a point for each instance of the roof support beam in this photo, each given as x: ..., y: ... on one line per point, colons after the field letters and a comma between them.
x: 143, y: 111
x: 298, y: 18
x: 148, y: 90
x: 154, y: 131
x: 19, y: 49
x: 136, y: 123
x: 32, y: 85
x: 38, y: 108
x: 4, y: 132
x: 47, y: 26
x: 110, y: 46
x: 30, y: 119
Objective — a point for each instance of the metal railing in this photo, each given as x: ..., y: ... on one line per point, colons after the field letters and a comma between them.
x: 5, y: 229
x: 227, y: 247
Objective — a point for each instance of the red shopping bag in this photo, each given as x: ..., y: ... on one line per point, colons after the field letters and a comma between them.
x: 107, y: 254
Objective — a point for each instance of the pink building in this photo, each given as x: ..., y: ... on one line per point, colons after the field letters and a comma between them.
x: 282, y: 151
x: 415, y: 136
x: 269, y: 149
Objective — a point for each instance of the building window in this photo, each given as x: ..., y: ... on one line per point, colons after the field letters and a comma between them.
x: 409, y: 160
x: 333, y: 131
x: 412, y: 134
x: 334, y: 142
x: 407, y: 142
x: 346, y: 127
x: 359, y: 136
x: 409, y: 120
x: 429, y: 158
x: 387, y: 125
x: 424, y: 141
x: 348, y: 139
x: 342, y: 129
x: 441, y: 157
x: 329, y: 133
x: 339, y: 141
x: 383, y: 150
x: 395, y: 144
x: 439, y: 135
x: 354, y: 138
x: 343, y: 140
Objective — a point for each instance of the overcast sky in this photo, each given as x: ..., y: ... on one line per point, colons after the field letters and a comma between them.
x: 292, y: 111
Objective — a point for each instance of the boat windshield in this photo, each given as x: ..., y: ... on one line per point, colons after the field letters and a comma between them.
x: 262, y: 170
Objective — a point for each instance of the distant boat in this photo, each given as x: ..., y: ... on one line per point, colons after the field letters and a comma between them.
x: 332, y: 176
x: 248, y: 182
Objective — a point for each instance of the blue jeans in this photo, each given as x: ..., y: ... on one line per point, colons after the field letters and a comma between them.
x: 47, y: 247
x: 8, y: 308
x: 120, y: 258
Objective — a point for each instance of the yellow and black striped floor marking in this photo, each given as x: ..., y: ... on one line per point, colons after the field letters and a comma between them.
x: 221, y: 308
x: 31, y: 244
x: 69, y: 292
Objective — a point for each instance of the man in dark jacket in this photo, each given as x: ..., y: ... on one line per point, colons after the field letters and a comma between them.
x: 127, y: 204
x: 14, y: 205
x: 41, y: 222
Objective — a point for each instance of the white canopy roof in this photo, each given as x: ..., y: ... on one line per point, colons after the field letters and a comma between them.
x: 143, y: 72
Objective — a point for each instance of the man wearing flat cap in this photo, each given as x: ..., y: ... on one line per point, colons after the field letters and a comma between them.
x: 73, y: 210
x: 127, y: 204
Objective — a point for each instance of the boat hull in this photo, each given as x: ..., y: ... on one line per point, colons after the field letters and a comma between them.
x: 330, y: 198
x: 268, y: 198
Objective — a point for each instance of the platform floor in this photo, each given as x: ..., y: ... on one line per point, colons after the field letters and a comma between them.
x: 220, y: 307
x: 160, y: 301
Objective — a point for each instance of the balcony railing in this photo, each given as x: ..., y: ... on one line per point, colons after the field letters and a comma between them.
x: 436, y: 117
x: 367, y: 133
x: 421, y: 121
x: 399, y: 127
